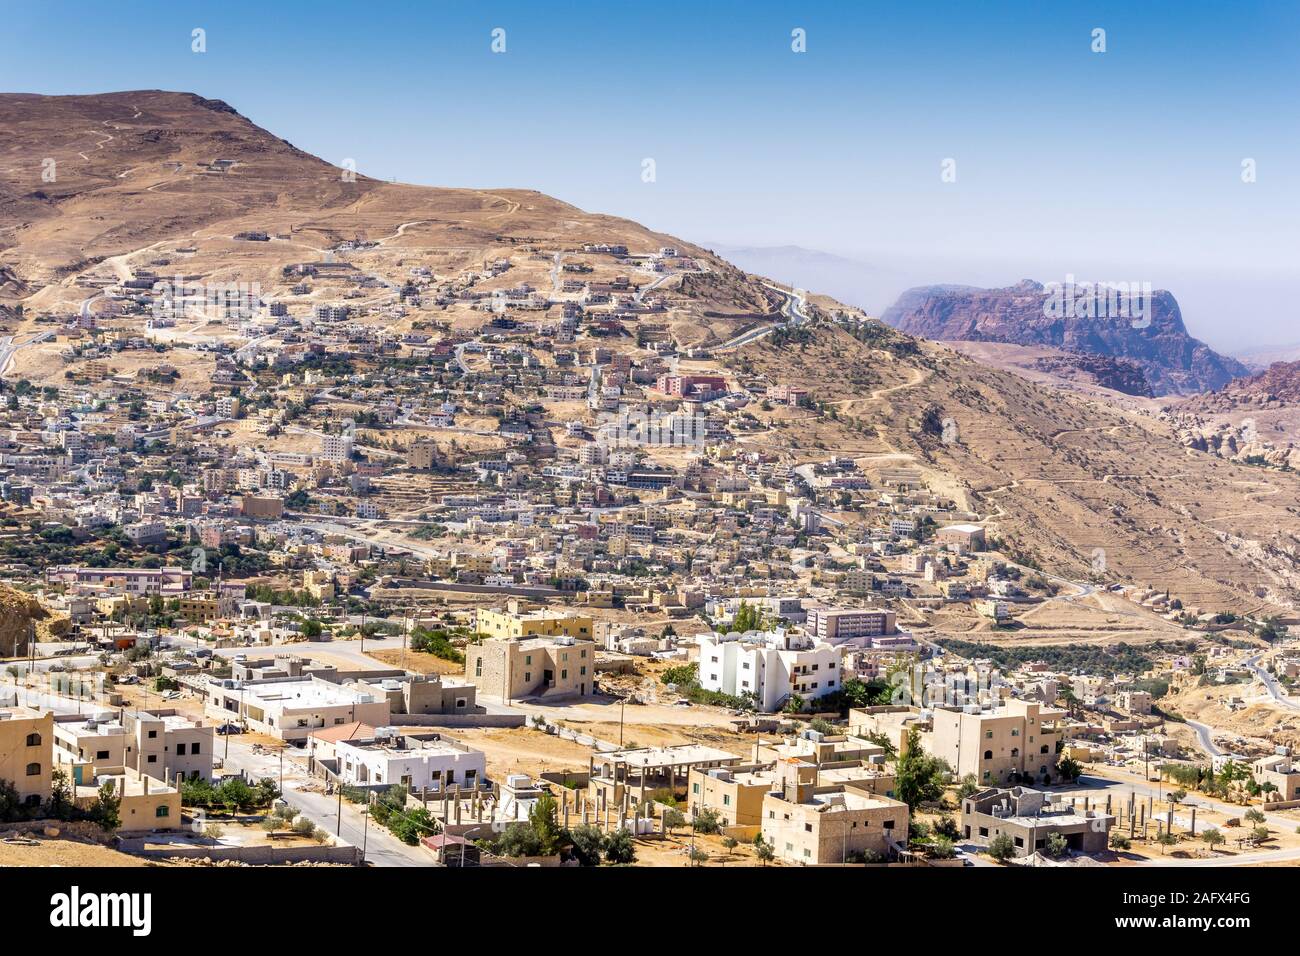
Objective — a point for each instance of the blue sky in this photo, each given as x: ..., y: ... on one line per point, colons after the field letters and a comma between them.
x: 1119, y: 165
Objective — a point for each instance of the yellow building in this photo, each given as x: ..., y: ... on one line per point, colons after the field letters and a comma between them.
x: 27, y: 752
x: 734, y: 793
x: 512, y: 624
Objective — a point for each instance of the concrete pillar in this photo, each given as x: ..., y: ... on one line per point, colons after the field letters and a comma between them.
x: 1193, y: 821
x: 566, y: 814
x: 1108, y: 803
x: 455, y: 801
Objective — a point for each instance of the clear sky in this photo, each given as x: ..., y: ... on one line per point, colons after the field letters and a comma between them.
x: 1125, y: 164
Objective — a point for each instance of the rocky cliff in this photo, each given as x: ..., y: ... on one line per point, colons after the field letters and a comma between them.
x: 1157, y: 342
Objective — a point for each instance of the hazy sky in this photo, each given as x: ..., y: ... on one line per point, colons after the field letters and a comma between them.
x: 1125, y: 164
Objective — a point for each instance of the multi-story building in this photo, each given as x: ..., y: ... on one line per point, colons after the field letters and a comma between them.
x: 336, y: 448
x: 771, y: 667
x: 849, y: 625
x: 26, y: 752
x: 514, y: 624
x: 813, y: 825
x: 515, y: 667
x: 163, y: 744
x: 1015, y: 742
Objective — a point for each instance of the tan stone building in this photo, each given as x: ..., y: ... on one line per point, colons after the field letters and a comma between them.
x: 27, y: 752
x: 813, y: 825
x: 510, y: 668
x: 1017, y: 742
x: 735, y: 793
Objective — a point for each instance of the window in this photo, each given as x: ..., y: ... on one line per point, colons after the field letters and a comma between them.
x: 583, y: 670
x: 33, y: 770
x: 988, y: 735
x: 101, y: 754
x: 163, y: 811
x: 1015, y: 732
x: 988, y: 755
x: 695, y: 788
x: 478, y: 667
x: 984, y: 831
x: 194, y: 748
x: 1043, y: 749
x: 153, y: 734
x: 528, y: 676
x: 564, y: 674
x: 33, y: 740
x: 807, y: 828
x: 528, y: 659
x: 153, y: 758
x: 180, y: 748
x: 726, y: 799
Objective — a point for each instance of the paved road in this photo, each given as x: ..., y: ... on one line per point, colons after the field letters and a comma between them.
x: 1203, y: 732
x: 1271, y: 684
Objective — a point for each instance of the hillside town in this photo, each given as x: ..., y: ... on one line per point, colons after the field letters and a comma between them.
x: 412, y: 561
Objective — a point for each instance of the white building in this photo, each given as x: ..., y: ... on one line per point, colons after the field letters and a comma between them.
x: 414, y: 761
x: 335, y: 447
x: 769, y: 665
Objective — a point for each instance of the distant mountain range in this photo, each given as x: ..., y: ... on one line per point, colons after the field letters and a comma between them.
x: 1158, y: 343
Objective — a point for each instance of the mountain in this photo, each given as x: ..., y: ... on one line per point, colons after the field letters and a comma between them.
x: 158, y: 183
x: 1171, y: 360
x: 100, y: 179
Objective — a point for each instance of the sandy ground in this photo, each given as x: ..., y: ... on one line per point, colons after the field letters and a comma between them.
x: 48, y: 852
x: 522, y: 750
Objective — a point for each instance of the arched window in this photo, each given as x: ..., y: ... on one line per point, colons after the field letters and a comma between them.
x: 1015, y: 751
x: 988, y: 755
x: 33, y: 740
x: 33, y: 770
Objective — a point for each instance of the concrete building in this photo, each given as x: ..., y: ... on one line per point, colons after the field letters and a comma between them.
x: 26, y: 752
x: 510, y: 668
x: 1018, y: 741
x: 813, y: 825
x: 1029, y: 818
x: 735, y: 793
x: 164, y: 744
x: 423, y: 694
x: 849, y: 625
x: 1278, y: 770
x: 416, y: 761
x: 770, y: 666
x: 290, y: 708
x: 513, y: 623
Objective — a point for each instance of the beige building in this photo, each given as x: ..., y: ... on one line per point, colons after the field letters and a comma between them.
x: 813, y: 825
x: 146, y: 803
x: 1028, y: 817
x: 1278, y: 770
x: 512, y: 623
x: 1016, y: 742
x: 27, y: 752
x: 510, y: 668
x: 736, y: 793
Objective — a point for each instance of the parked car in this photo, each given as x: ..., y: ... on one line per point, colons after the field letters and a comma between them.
x: 225, y: 729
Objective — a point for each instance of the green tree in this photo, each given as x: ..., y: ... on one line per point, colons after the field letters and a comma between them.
x: 1002, y: 847
x: 587, y: 843
x: 619, y: 847
x: 1056, y: 846
x: 107, y: 808
x: 1213, y: 838
x: 919, y: 777
x: 542, y: 819
x: 1069, y: 769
